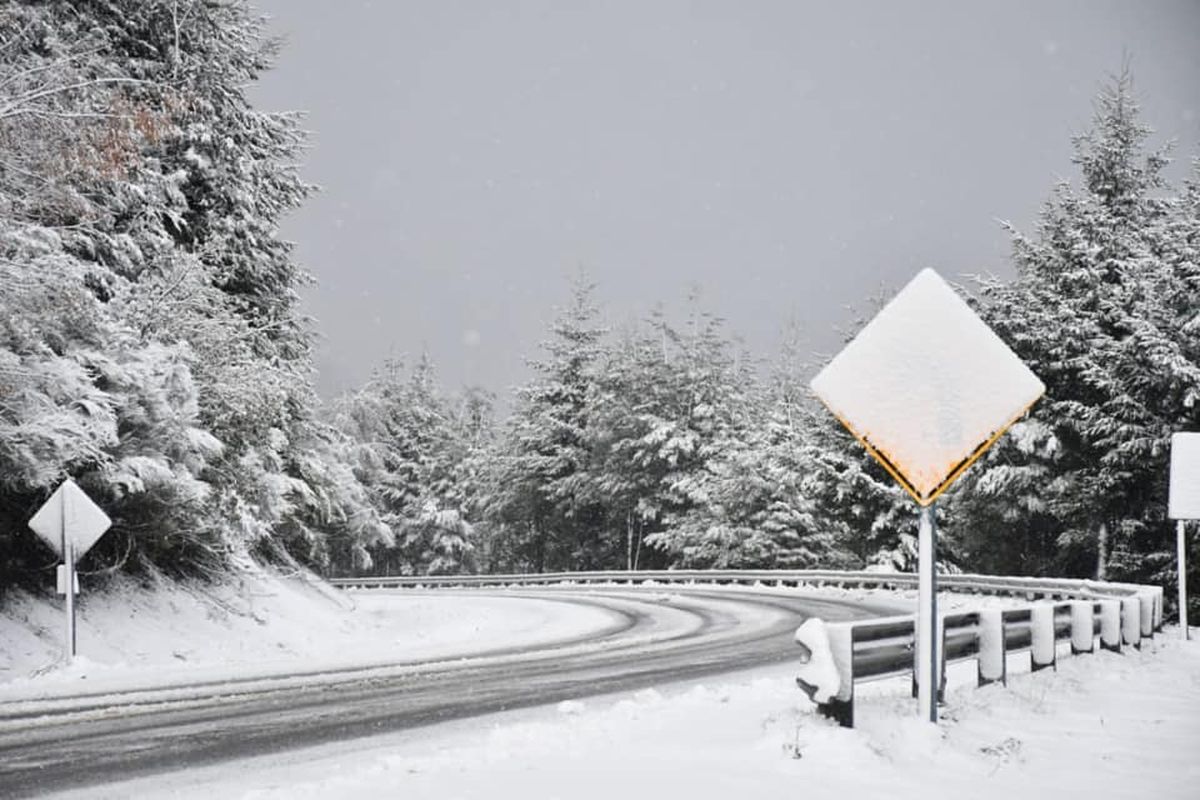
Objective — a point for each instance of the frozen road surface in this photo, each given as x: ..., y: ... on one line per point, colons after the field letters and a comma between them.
x: 653, y: 636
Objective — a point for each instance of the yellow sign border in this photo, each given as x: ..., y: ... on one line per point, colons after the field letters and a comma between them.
x: 953, y: 475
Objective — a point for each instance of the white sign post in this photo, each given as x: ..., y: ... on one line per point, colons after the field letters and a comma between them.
x: 927, y: 387
x: 70, y: 523
x: 1183, y: 504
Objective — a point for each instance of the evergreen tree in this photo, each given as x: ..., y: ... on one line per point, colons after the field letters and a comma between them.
x: 671, y: 402
x: 759, y: 509
x: 871, y: 519
x: 1101, y: 309
x: 412, y: 455
x: 544, y: 514
x: 172, y: 375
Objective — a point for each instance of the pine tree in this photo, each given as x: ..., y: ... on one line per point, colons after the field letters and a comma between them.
x: 1100, y: 311
x: 175, y: 366
x: 870, y: 518
x: 544, y: 514
x: 757, y: 509
x: 671, y: 402
x: 414, y: 456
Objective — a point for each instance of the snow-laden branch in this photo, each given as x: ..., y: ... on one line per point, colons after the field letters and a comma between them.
x: 17, y: 106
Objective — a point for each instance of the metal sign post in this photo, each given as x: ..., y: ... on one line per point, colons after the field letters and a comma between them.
x: 928, y: 641
x: 68, y: 549
x: 1181, y: 549
x: 70, y: 523
x: 926, y: 387
x: 70, y: 587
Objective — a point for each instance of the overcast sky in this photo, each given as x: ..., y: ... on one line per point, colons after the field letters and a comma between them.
x: 786, y: 158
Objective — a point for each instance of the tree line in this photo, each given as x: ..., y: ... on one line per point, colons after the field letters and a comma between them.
x: 152, y: 348
x: 665, y: 445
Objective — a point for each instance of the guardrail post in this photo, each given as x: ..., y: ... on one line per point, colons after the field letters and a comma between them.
x: 916, y: 684
x: 992, y: 663
x: 1147, y: 616
x: 1083, y: 627
x: 1131, y: 621
x: 1042, y: 651
x: 1110, y: 625
x: 827, y: 674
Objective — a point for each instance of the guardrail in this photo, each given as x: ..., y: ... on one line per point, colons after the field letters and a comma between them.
x: 626, y: 577
x: 839, y: 654
x: 1031, y: 588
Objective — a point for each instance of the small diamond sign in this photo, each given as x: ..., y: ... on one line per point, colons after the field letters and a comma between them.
x: 927, y: 387
x: 1184, y: 498
x: 70, y: 517
x: 70, y: 523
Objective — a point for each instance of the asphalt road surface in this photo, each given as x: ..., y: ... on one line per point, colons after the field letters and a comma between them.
x: 657, y: 635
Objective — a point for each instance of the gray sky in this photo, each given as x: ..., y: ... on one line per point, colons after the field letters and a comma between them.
x: 786, y: 158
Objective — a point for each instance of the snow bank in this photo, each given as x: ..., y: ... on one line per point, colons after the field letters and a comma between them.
x: 259, y: 624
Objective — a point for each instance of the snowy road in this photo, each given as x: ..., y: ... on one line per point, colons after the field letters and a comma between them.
x: 655, y: 637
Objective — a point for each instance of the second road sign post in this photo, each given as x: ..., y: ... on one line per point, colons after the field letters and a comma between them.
x: 927, y: 387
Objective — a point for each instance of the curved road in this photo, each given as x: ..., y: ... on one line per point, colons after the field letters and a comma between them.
x: 657, y: 635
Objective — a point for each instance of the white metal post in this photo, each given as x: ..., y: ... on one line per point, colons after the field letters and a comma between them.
x: 68, y: 551
x: 927, y: 655
x: 1181, y: 547
x: 69, y: 554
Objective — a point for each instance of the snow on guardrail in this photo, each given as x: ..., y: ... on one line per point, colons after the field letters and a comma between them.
x: 885, y: 648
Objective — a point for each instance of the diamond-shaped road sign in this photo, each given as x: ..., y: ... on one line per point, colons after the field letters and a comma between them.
x: 71, y: 514
x: 927, y: 387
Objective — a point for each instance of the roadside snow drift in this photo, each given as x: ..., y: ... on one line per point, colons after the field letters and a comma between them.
x: 260, y: 624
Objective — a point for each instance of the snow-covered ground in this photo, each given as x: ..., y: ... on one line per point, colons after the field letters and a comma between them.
x: 1102, y: 726
x: 261, y: 624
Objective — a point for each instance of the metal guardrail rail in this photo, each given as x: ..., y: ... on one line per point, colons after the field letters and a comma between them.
x: 839, y: 654
x: 1032, y: 588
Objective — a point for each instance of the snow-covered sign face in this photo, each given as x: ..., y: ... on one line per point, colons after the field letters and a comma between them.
x: 926, y: 386
x: 71, y: 514
x: 1184, y: 502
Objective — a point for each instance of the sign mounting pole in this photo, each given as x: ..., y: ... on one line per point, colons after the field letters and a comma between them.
x: 928, y: 650
x: 68, y: 548
x: 70, y: 573
x: 1181, y: 548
